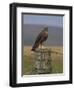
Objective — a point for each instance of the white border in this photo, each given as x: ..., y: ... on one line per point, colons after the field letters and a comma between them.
x: 51, y: 77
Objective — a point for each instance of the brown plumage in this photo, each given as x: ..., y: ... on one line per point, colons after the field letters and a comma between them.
x: 43, y: 35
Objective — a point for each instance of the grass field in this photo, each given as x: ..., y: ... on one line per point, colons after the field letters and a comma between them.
x: 28, y: 61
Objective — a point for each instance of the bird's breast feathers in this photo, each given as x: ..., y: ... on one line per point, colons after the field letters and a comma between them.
x: 45, y: 34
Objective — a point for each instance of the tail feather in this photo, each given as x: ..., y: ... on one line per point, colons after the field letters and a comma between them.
x: 34, y: 47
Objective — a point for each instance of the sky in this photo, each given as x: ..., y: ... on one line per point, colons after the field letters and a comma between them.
x: 50, y: 20
x: 34, y: 24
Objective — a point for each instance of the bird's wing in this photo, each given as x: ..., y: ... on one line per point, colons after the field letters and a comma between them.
x: 39, y: 37
x: 37, y: 42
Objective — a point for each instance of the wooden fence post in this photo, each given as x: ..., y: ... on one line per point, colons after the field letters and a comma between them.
x: 43, y: 61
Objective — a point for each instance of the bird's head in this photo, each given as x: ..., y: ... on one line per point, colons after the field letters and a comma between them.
x: 45, y: 29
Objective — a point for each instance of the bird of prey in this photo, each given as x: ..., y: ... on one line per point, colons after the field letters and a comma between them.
x: 43, y: 35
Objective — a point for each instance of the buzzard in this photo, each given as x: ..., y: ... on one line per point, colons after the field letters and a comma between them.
x: 43, y: 35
